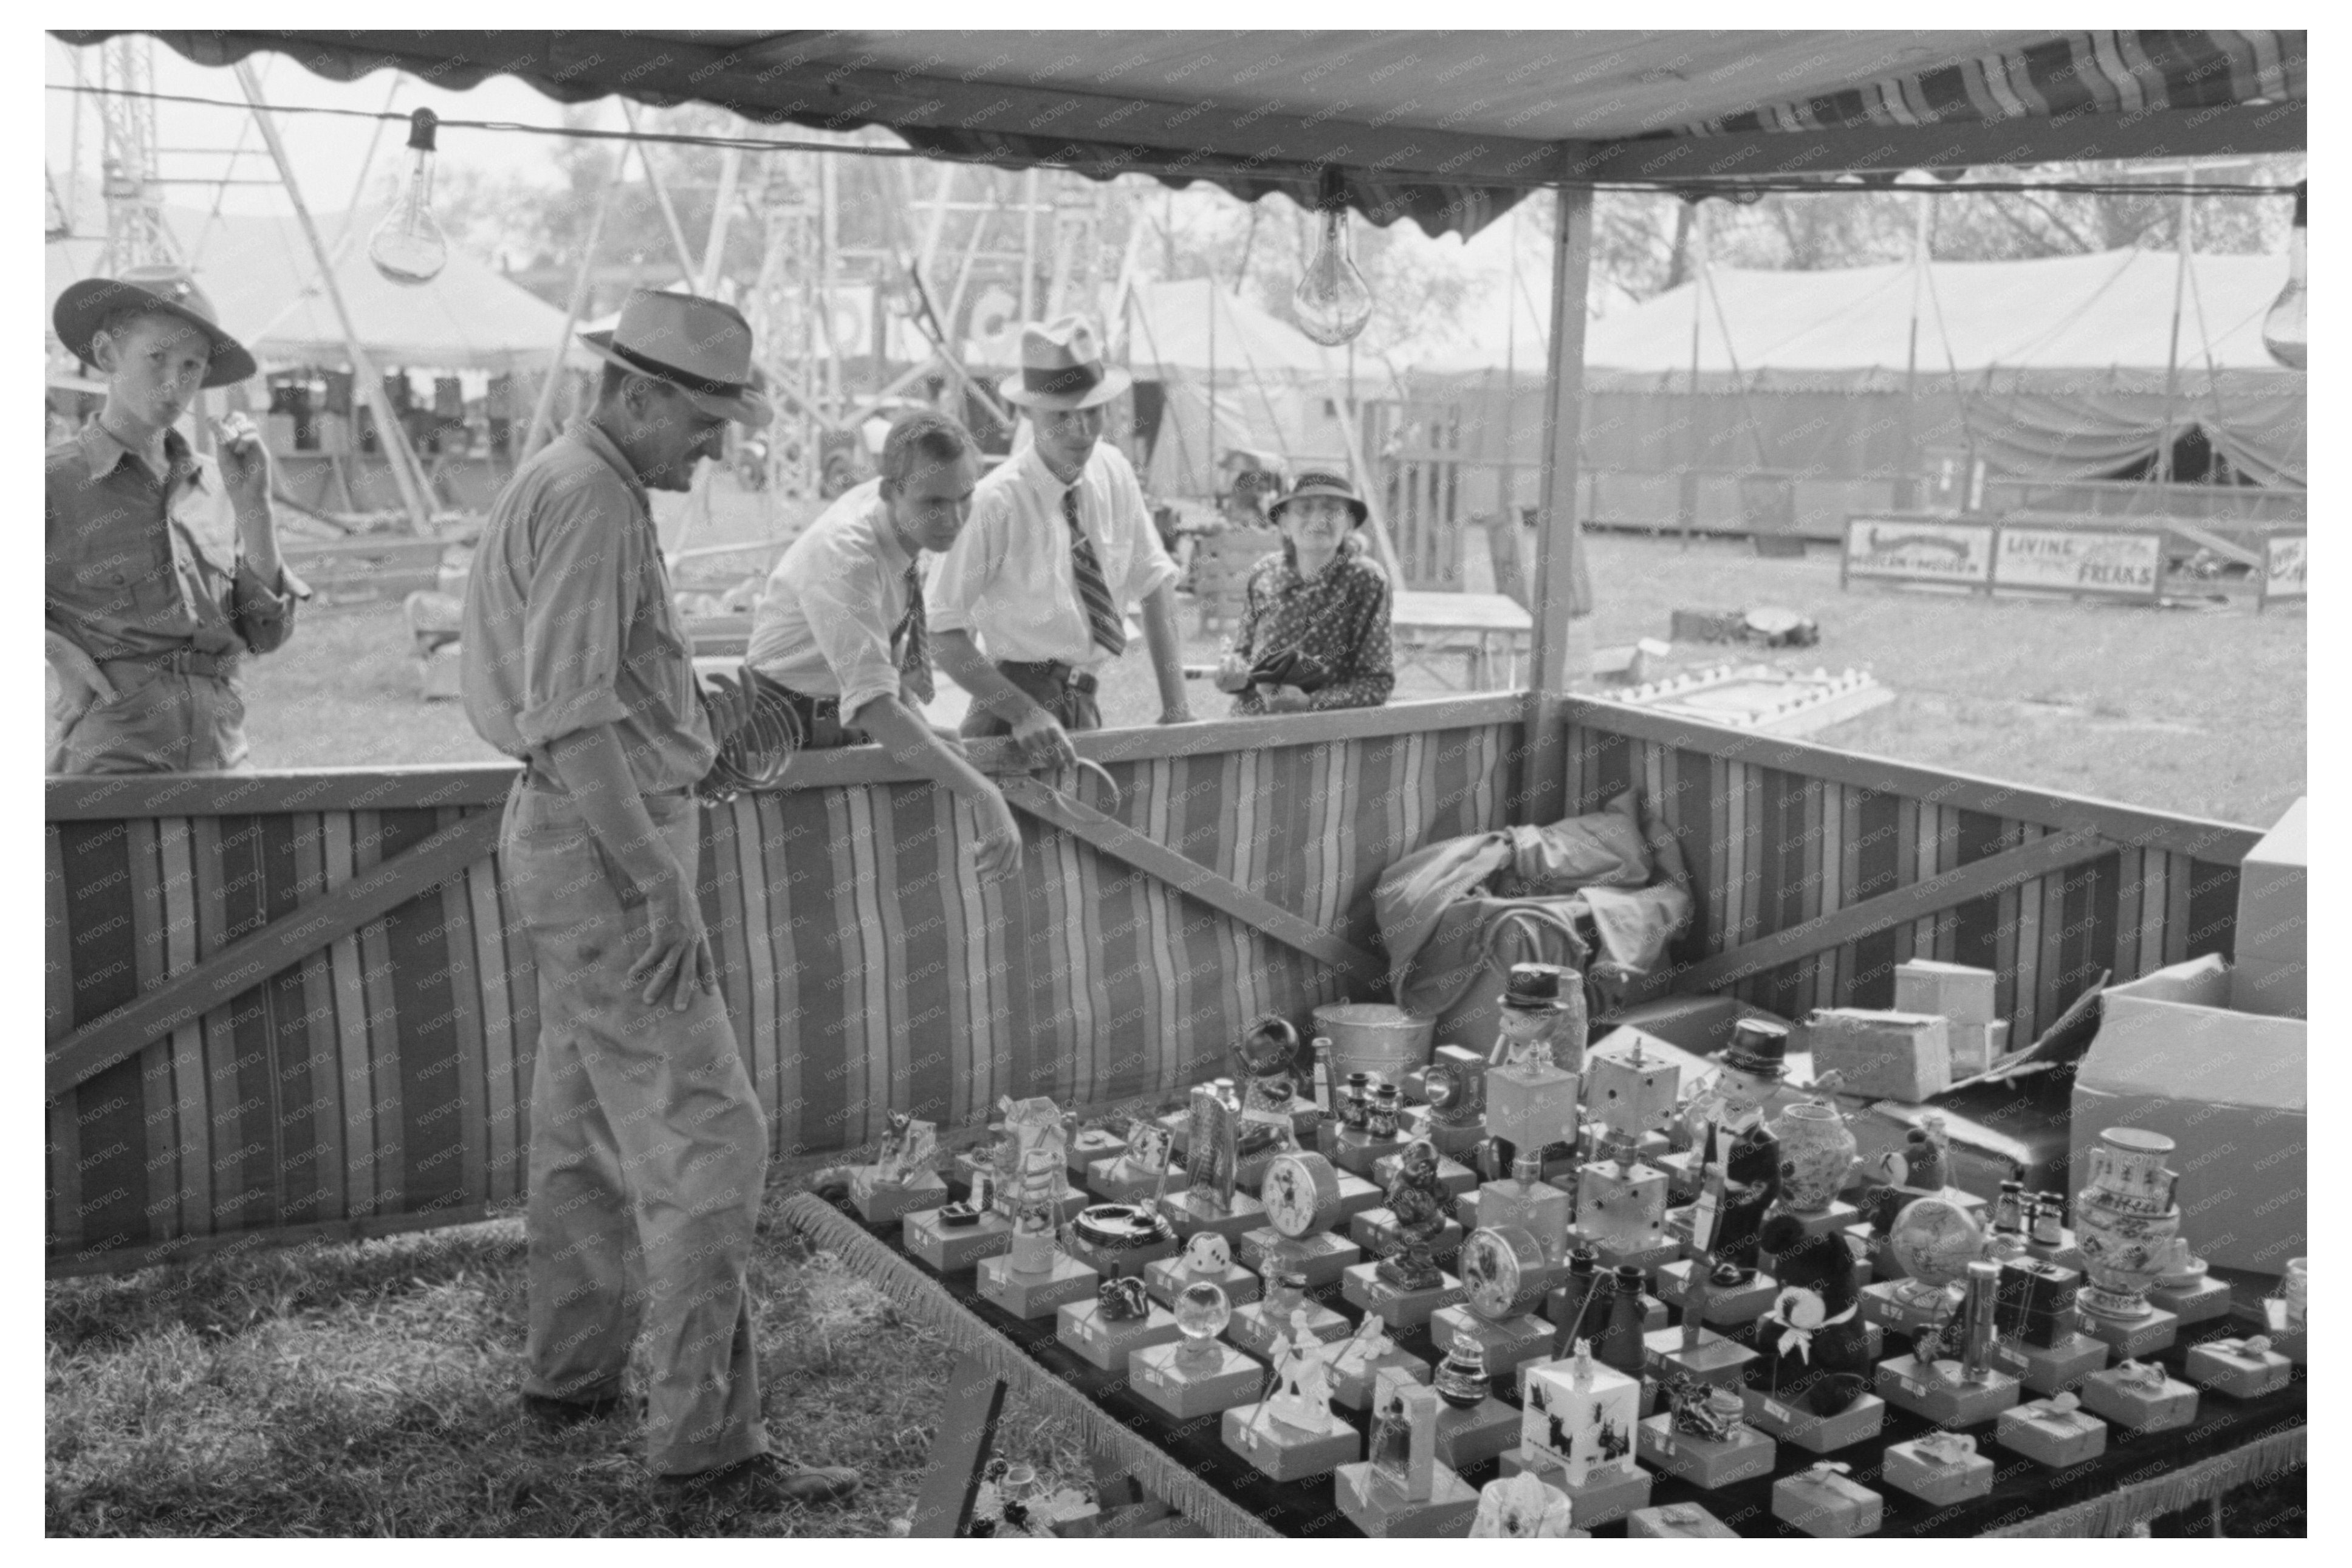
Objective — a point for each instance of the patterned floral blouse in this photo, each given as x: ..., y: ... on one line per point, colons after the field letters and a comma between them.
x: 1340, y: 618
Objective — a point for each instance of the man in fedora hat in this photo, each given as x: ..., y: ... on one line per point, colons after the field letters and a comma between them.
x: 648, y: 1145
x: 163, y: 571
x: 1313, y: 627
x: 1059, y: 544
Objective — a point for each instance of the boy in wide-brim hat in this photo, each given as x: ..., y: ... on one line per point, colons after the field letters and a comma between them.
x: 162, y: 568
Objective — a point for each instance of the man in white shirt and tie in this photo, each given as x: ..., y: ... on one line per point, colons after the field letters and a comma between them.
x: 842, y: 625
x: 1059, y: 544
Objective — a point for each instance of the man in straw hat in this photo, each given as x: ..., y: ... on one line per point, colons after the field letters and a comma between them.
x: 1059, y: 545
x: 648, y: 1145
x: 163, y: 570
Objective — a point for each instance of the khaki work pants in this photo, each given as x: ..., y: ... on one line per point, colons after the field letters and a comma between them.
x: 647, y: 1151
x: 160, y: 720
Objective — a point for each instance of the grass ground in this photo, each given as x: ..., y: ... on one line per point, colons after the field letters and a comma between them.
x: 370, y: 1389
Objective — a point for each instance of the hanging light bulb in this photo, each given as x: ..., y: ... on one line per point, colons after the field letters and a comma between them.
x: 2287, y: 330
x: 1332, y: 300
x: 407, y: 247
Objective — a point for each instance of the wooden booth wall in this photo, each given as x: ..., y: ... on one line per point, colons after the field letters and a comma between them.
x: 380, y: 1081
x: 1787, y: 840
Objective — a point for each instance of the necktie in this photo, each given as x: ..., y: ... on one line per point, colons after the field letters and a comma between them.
x: 914, y: 639
x: 1102, y: 617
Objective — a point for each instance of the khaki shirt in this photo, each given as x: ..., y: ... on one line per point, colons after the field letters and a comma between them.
x: 569, y: 621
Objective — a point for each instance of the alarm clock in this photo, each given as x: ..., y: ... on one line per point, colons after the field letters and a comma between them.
x: 1503, y: 1271
x: 1301, y: 1193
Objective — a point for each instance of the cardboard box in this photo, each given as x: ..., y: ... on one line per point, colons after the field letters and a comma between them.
x: 2271, y: 942
x: 1881, y: 1055
x: 2227, y: 1087
x: 1960, y: 992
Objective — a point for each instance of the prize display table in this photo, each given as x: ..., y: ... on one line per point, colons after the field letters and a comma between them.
x: 2232, y: 1443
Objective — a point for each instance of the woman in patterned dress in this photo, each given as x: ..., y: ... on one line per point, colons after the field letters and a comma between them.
x: 1314, y: 631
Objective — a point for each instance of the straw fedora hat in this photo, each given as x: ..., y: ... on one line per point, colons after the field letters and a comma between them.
x: 1062, y: 367
x: 702, y: 347
x: 159, y: 287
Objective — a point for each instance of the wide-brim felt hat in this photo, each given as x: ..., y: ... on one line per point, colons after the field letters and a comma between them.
x: 1318, y: 481
x: 702, y: 347
x: 1061, y: 368
x: 165, y: 288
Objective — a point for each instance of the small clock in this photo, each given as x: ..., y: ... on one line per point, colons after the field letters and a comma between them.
x: 1301, y: 1193
x: 1503, y: 1271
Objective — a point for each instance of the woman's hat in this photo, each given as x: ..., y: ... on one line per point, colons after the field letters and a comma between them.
x: 1536, y: 987
x: 1759, y: 1047
x: 1061, y: 368
x: 162, y: 288
x: 702, y: 347
x: 1316, y: 482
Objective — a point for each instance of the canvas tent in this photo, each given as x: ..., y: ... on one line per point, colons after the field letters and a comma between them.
x: 2048, y: 370
x: 1274, y: 385
x: 260, y: 277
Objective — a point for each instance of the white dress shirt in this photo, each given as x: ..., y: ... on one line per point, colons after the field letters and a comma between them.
x: 823, y: 622
x: 1008, y: 576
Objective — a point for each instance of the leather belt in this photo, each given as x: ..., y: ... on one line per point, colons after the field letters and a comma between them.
x: 536, y: 774
x: 1078, y: 681
x: 182, y: 661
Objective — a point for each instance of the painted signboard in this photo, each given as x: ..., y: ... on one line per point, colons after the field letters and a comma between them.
x: 1918, y: 549
x: 2284, y: 563
x: 2114, y: 563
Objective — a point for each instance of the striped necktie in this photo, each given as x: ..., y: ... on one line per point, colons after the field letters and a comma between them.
x: 1102, y: 616
x: 914, y: 639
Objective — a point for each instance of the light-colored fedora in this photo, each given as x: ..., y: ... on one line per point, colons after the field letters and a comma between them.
x: 702, y: 347
x: 162, y: 288
x: 1062, y: 367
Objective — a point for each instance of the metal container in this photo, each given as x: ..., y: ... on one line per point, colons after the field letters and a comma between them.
x: 1374, y: 1037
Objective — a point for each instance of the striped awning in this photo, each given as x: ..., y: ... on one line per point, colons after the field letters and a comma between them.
x: 1447, y: 129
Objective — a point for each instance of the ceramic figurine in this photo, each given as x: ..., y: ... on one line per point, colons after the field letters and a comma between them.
x: 1461, y: 1379
x: 2124, y: 1221
x: 1268, y: 1055
x: 1202, y: 1311
x: 1752, y: 1068
x: 1810, y: 1343
x: 1208, y: 1255
x: 1363, y: 1348
x: 1300, y: 1380
x: 1524, y: 1507
x: 1121, y: 1299
x: 1028, y: 1125
x: 1816, y: 1155
x: 1421, y: 1205
x: 1542, y: 1019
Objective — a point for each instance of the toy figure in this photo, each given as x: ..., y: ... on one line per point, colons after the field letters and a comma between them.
x: 1541, y: 1020
x: 1751, y: 1068
x: 1122, y: 1298
x: 1301, y: 1379
x: 1364, y: 1347
x: 1421, y: 1205
x: 1810, y: 1343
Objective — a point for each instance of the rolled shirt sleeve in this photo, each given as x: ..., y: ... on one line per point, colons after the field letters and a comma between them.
x: 848, y: 617
x: 572, y: 636
x: 263, y: 618
x: 963, y: 573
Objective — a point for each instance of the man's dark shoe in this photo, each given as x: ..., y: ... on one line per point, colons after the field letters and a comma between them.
x: 764, y: 1483
x: 549, y: 1411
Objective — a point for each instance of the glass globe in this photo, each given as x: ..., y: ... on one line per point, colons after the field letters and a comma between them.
x: 1202, y: 1311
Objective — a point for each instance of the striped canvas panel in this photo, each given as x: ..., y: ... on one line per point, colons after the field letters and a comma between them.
x: 388, y: 1074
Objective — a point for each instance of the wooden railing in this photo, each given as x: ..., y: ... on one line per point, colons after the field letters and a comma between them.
x: 297, y: 1005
